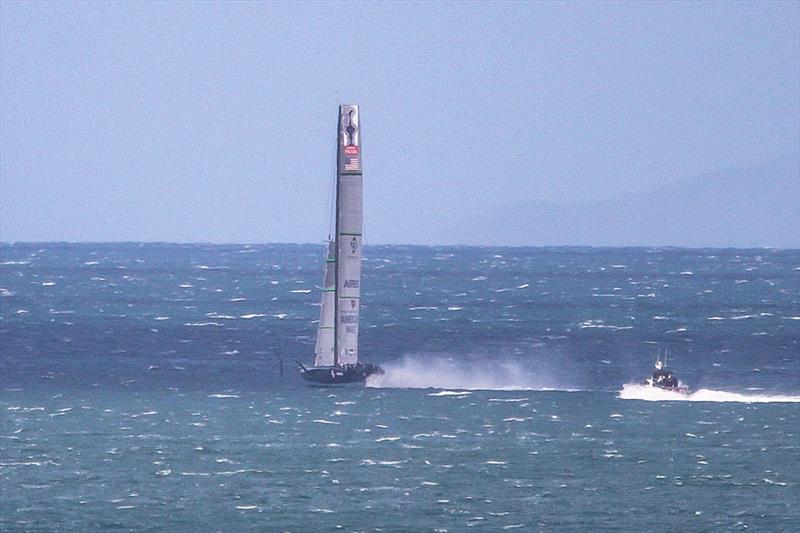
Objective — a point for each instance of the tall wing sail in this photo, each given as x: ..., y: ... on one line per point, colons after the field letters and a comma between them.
x: 348, y: 235
x: 323, y: 352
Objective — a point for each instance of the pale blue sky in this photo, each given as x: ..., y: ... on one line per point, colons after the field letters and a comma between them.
x: 216, y: 121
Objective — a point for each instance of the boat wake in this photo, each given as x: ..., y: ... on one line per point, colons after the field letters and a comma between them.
x: 417, y: 372
x: 631, y: 391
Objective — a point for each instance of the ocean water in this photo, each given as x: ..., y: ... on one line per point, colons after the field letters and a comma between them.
x: 152, y: 387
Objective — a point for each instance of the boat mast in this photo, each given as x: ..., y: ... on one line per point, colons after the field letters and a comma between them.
x: 349, y: 227
x: 336, y: 247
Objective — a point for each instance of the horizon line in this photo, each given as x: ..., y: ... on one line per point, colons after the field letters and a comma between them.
x: 442, y: 245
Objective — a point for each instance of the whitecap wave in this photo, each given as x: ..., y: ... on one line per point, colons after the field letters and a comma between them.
x: 631, y: 391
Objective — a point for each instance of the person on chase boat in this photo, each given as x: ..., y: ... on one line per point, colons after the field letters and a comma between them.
x: 663, y: 377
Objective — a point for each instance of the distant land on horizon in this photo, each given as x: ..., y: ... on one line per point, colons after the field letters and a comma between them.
x: 741, y: 202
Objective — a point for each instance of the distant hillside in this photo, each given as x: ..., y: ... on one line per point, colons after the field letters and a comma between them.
x: 750, y: 207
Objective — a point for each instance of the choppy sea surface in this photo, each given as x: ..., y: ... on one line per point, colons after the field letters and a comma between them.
x: 152, y: 387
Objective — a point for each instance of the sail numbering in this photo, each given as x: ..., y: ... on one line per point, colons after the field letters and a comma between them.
x: 336, y: 358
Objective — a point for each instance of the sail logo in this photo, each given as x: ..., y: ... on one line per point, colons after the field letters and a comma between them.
x: 349, y: 319
x: 349, y: 142
x: 352, y: 284
x: 349, y: 126
x: 351, y: 165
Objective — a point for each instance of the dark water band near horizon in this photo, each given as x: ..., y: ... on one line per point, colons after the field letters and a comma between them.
x: 141, y: 389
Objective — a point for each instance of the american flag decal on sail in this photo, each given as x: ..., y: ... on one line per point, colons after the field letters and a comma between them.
x: 351, y: 165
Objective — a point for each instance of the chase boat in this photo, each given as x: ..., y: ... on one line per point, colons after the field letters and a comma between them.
x: 664, y: 378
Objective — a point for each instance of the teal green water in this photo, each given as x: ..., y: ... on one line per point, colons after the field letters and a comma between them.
x: 397, y: 460
x: 140, y: 390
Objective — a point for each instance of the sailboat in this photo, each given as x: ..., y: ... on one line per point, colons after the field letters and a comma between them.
x: 336, y: 359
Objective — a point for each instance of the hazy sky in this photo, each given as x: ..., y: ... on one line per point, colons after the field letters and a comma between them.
x: 216, y: 121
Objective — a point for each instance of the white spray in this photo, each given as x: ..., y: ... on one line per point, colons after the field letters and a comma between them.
x: 654, y: 394
x: 440, y: 372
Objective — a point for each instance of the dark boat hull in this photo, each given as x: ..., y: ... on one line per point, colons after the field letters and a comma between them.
x: 680, y: 389
x: 339, y: 375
